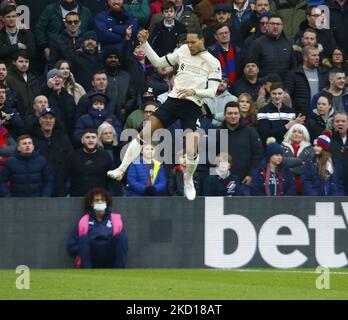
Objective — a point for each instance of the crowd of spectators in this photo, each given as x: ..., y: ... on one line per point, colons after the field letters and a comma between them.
x: 76, y: 86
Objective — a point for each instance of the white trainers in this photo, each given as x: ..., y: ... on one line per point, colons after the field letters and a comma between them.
x: 189, y: 188
x: 116, y: 174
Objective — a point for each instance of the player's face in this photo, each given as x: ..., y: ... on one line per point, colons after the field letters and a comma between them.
x: 195, y: 44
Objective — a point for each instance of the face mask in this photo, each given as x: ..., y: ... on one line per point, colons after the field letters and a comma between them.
x: 99, y: 206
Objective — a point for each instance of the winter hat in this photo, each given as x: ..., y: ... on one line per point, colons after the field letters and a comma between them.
x: 46, y: 111
x: 109, y: 51
x: 89, y: 35
x: 324, y: 140
x: 265, y: 14
x: 222, y: 7
x: 54, y: 73
x: 272, y: 77
x: 272, y: 148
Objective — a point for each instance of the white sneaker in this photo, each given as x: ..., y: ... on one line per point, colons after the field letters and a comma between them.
x: 189, y: 188
x: 116, y: 174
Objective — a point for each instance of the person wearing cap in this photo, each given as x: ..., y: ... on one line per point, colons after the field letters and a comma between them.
x: 272, y: 178
x: 251, y: 25
x: 275, y: 119
x: 304, y: 82
x: 222, y: 13
x: 265, y: 50
x: 23, y: 82
x: 249, y: 82
x: 258, y: 31
x: 205, y: 11
x: 217, y: 104
x: 52, y: 142
x: 12, y: 38
x: 68, y: 41
x: 51, y: 22
x: 112, y: 23
x: 26, y: 173
x: 60, y: 100
x: 322, y: 175
x: 87, y: 60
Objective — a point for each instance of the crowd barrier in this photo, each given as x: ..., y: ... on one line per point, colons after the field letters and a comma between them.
x: 172, y: 232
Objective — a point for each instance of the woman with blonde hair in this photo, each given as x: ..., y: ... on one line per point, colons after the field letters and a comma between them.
x: 322, y: 175
x: 247, y: 109
x: 74, y: 88
x: 296, y: 144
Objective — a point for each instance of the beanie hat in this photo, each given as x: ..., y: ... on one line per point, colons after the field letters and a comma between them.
x: 324, y: 140
x: 54, y: 73
x: 89, y: 35
x: 272, y: 148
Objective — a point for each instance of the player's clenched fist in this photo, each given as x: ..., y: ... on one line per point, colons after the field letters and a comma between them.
x: 143, y: 35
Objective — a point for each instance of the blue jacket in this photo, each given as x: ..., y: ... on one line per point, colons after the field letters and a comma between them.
x: 138, y: 177
x: 314, y: 185
x: 285, y: 182
x: 27, y: 177
x: 95, y: 118
x: 216, y: 186
x: 111, y: 28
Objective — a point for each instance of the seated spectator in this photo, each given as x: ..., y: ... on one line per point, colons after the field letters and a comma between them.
x: 184, y: 14
x: 244, y: 144
x: 86, y: 61
x: 68, y: 41
x: 69, y: 83
x: 146, y: 176
x: 60, y: 100
x: 98, y: 112
x: 140, y: 10
x: 249, y: 82
x: 99, y: 239
x: 111, y: 25
x: 308, y: 38
x: 264, y: 95
x: 247, y: 110
x: 32, y: 119
x: 339, y: 144
x: 227, y: 52
x: 52, y: 143
x: 271, y: 179
x: 51, y: 22
x: 24, y: 83
x: 296, y: 144
x: 306, y: 81
x: 7, y: 144
x: 26, y: 173
x: 275, y: 119
x: 164, y: 36
x: 120, y: 86
x: 322, y: 175
x: 13, y: 39
x: 87, y: 166
x: 10, y: 117
x: 217, y: 104
x: 223, y: 183
x: 176, y: 176
x: 321, y: 118
x: 337, y: 60
x: 222, y: 13
x: 137, y: 118
x: 337, y: 89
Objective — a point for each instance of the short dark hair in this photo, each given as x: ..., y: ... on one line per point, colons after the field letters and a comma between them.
x: 311, y: 30
x: 72, y: 13
x: 23, y: 137
x: 231, y: 104
x: 98, y: 98
x: 3, y: 86
x: 96, y: 191
x: 167, y: 5
x: 20, y: 53
x: 7, y: 9
x: 221, y: 25
x: 310, y: 9
x: 333, y: 72
x: 275, y: 16
x: 89, y: 130
x: 197, y: 32
x: 276, y: 85
x: 328, y: 96
x: 102, y: 71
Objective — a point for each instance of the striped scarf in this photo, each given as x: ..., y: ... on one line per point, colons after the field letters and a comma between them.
x: 227, y: 64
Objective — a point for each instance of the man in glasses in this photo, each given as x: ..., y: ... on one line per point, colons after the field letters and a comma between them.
x: 13, y: 39
x: 68, y: 41
x: 324, y: 36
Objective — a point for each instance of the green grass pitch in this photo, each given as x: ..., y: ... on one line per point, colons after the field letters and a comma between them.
x: 174, y: 284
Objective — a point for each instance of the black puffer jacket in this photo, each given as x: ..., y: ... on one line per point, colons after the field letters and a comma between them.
x: 316, y: 124
x: 272, y: 55
x: 297, y: 86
